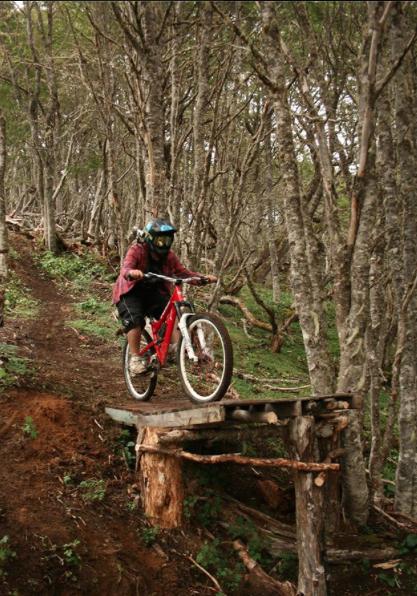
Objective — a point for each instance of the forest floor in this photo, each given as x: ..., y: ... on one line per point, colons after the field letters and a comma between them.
x: 70, y: 519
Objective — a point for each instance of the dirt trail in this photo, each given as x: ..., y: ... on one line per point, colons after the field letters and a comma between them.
x: 42, y: 506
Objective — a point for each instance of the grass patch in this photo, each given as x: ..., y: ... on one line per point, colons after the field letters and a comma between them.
x: 95, y: 319
x: 18, y: 302
x: 92, y: 328
x: 12, y: 367
x: 79, y: 270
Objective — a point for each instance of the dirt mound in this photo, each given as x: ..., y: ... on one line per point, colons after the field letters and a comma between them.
x: 68, y: 499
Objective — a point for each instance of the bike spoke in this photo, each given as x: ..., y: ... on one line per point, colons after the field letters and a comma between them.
x: 203, y: 378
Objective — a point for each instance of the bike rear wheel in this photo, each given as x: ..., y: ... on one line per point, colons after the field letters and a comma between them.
x: 207, y: 379
x: 140, y: 387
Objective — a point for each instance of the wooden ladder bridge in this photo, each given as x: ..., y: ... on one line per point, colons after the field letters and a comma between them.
x: 311, y: 427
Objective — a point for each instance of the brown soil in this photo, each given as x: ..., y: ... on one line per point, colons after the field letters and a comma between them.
x: 42, y: 507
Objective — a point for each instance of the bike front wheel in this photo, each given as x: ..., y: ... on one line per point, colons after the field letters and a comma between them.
x: 140, y: 387
x: 208, y: 378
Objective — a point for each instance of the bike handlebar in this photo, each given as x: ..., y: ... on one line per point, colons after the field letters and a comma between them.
x: 174, y: 279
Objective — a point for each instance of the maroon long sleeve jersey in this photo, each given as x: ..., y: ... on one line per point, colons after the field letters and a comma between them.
x: 137, y: 257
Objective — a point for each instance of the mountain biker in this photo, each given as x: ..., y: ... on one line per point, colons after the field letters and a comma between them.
x: 136, y: 297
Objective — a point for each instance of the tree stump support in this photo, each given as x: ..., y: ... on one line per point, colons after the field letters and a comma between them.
x: 162, y: 489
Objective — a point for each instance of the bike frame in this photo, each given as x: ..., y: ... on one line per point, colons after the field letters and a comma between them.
x: 163, y: 327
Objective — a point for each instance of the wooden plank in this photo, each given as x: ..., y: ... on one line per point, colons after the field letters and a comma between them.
x: 184, y: 418
x: 182, y: 413
x: 122, y: 416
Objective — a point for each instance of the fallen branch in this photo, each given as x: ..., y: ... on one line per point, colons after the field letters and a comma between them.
x: 248, y: 377
x: 262, y: 580
x: 279, y: 462
x: 281, y: 537
x: 247, y: 313
x: 201, y: 568
x: 286, y: 389
x: 392, y: 520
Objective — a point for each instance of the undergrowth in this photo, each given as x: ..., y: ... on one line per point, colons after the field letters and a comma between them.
x: 79, y: 274
x: 80, y: 270
x: 12, y: 366
x: 253, y: 355
x: 19, y: 303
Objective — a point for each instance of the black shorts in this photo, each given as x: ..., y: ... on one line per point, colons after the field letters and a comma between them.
x: 139, y: 303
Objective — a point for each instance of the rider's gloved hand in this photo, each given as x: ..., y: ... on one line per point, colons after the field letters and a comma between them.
x: 208, y: 279
x: 135, y: 274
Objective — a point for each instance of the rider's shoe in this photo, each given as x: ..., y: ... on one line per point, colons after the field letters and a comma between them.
x: 137, y: 366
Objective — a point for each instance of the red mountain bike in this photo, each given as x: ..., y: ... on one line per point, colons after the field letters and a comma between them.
x: 204, y: 352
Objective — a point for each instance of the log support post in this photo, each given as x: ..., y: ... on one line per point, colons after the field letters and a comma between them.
x: 161, y: 482
x: 329, y: 441
x: 309, y: 510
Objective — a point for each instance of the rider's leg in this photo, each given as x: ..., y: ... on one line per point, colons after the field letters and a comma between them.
x: 133, y: 339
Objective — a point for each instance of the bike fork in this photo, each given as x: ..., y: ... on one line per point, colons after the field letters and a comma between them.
x: 182, y: 324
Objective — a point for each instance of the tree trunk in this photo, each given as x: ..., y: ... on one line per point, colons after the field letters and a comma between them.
x: 199, y: 190
x: 306, y: 288
x: 3, y: 228
x: 161, y: 483
x: 270, y: 207
x: 406, y: 129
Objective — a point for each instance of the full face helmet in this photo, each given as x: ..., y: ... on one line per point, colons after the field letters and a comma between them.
x: 159, y: 234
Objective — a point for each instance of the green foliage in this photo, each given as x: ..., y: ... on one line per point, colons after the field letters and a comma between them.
x: 252, y: 355
x: 132, y: 504
x: 29, y: 428
x: 248, y: 449
x: 18, y: 302
x: 208, y: 512
x: 92, y: 328
x: 6, y: 553
x: 12, y: 367
x: 94, y: 306
x: 68, y: 479
x: 390, y: 580
x: 80, y: 270
x: 409, y: 545
x: 149, y: 535
x: 287, y: 566
x: 92, y: 490
x: 277, y: 447
x: 66, y: 554
x: 96, y: 319
x: 125, y: 446
x: 213, y: 558
x: 70, y: 555
x: 245, y: 529
x: 189, y: 505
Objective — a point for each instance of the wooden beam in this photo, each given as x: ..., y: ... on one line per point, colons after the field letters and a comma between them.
x: 279, y: 462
